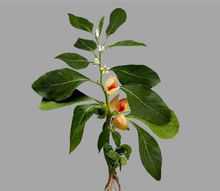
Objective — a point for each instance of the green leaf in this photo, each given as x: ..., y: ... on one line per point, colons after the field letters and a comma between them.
x: 59, y: 84
x: 150, y: 153
x: 146, y: 104
x: 166, y: 131
x: 123, y: 160
x: 125, y: 150
x: 113, y: 155
x: 101, y: 23
x: 74, y: 60
x: 85, y: 44
x: 138, y: 74
x: 127, y: 43
x: 81, y: 115
x: 117, y: 18
x: 117, y: 138
x: 103, y: 138
x: 76, y: 98
x: 80, y: 23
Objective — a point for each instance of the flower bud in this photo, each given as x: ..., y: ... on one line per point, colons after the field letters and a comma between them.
x: 101, y: 48
x: 97, y: 33
x: 96, y: 61
x: 119, y: 105
x: 120, y: 122
x: 111, y: 85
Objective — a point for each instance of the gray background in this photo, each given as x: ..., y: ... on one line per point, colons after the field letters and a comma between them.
x: 183, y: 47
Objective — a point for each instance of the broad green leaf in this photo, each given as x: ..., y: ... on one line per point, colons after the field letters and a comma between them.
x: 76, y: 98
x: 117, y: 138
x: 74, y: 60
x: 150, y: 153
x: 127, y: 43
x: 80, y: 23
x: 117, y: 18
x: 59, y: 84
x: 85, y: 44
x: 137, y: 74
x: 166, y: 131
x: 103, y: 138
x: 81, y: 115
x: 146, y: 104
x: 101, y: 23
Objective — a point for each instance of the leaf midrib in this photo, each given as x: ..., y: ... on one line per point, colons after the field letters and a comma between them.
x: 128, y: 73
x: 64, y: 83
x: 84, y: 42
x: 148, y: 152
x: 147, y: 106
x: 72, y: 60
x: 129, y: 43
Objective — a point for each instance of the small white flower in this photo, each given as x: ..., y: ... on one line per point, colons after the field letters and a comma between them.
x: 101, y: 48
x: 96, y: 61
x: 97, y: 33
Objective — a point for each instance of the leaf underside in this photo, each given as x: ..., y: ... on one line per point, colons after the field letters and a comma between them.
x: 76, y: 98
x: 166, y: 131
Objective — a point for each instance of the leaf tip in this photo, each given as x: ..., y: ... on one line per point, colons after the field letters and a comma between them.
x: 70, y: 149
x: 158, y: 178
x: 69, y: 14
x: 57, y: 57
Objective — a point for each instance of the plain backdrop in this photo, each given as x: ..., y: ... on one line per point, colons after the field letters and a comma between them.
x: 183, y: 41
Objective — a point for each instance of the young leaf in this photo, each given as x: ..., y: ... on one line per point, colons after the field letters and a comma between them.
x: 166, y: 131
x: 146, y: 104
x: 123, y: 161
x: 76, y: 98
x: 127, y: 43
x: 139, y: 74
x: 59, y: 84
x: 101, y: 23
x: 125, y: 150
x: 103, y: 138
x: 81, y: 115
x: 80, y: 23
x: 117, y: 18
x: 113, y: 155
x: 74, y: 60
x: 85, y: 44
x: 117, y: 138
x: 150, y: 153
